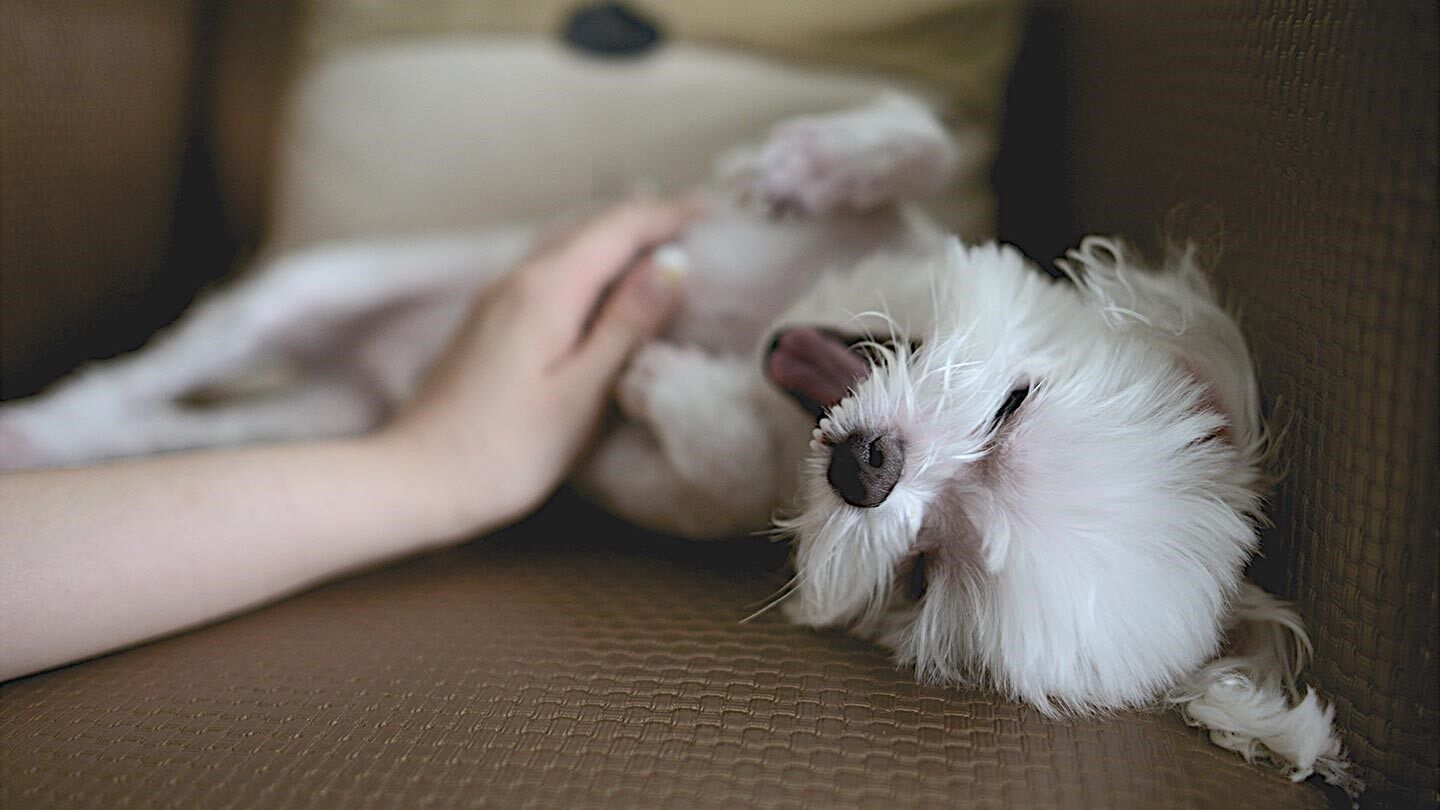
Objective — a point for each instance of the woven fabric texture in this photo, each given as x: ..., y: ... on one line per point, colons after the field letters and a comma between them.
x: 1297, y: 141
x: 535, y: 670
x: 574, y: 663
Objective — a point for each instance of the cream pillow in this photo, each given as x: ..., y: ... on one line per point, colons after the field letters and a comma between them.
x: 410, y: 116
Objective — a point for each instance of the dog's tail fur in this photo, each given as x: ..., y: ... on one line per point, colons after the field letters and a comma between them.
x: 1249, y: 698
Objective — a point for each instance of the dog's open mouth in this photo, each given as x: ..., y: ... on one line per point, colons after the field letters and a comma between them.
x: 817, y: 367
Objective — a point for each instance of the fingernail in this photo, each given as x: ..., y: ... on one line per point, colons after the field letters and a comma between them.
x: 664, y: 275
x: 672, y: 260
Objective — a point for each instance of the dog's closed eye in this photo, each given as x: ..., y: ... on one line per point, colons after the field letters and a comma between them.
x: 1011, y: 404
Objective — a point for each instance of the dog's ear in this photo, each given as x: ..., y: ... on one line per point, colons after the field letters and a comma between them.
x: 1211, y: 399
x: 1174, y: 306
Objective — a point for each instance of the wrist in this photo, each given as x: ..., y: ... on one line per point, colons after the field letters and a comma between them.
x: 453, y: 500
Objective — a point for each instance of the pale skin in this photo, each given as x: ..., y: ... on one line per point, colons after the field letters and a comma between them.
x: 103, y: 557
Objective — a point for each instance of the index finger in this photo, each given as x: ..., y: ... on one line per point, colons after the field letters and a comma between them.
x: 586, y: 263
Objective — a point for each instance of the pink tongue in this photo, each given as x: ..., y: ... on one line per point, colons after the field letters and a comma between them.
x: 816, y: 365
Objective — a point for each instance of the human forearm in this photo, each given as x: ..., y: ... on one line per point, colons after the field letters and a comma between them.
x: 99, y: 558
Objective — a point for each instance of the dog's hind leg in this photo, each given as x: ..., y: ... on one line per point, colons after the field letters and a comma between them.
x: 294, y: 313
x: 334, y: 405
x: 697, y: 458
x: 294, y: 303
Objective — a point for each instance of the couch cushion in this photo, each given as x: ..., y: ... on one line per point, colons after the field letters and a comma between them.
x: 415, y: 117
x: 527, y: 670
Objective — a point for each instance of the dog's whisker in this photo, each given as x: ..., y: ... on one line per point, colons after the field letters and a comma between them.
x: 787, y: 585
x: 786, y: 591
x: 772, y: 533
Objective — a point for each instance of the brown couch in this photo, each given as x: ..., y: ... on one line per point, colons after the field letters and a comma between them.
x: 574, y: 662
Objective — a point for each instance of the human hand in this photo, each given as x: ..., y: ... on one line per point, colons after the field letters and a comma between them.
x: 506, y: 412
x: 100, y: 557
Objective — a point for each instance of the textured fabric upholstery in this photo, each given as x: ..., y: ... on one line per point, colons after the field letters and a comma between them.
x: 573, y: 662
x: 1296, y: 142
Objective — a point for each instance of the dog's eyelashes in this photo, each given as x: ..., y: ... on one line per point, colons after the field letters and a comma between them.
x: 1011, y: 405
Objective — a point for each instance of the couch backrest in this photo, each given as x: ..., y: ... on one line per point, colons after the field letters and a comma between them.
x: 95, y: 108
x: 1296, y: 141
x: 119, y: 122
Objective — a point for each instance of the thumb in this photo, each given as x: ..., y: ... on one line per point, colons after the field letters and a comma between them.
x: 636, y: 310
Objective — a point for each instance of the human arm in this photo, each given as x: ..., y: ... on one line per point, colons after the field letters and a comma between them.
x: 98, y: 558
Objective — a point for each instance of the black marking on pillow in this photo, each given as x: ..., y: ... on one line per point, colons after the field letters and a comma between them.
x: 610, y: 29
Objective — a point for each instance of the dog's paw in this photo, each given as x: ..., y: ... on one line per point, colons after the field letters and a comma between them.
x: 654, y: 366
x: 701, y: 410
x: 856, y: 160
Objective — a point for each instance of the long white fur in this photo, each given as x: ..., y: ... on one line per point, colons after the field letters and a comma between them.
x: 1249, y: 699
x: 1087, y: 551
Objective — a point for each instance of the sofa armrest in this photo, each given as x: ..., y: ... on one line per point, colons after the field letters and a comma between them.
x: 1300, y: 148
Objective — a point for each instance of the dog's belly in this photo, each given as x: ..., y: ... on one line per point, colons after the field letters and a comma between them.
x: 747, y: 269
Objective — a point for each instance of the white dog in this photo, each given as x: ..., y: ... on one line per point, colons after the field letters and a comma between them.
x: 1048, y: 486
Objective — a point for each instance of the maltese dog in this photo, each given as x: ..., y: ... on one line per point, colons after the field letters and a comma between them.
x: 1050, y: 486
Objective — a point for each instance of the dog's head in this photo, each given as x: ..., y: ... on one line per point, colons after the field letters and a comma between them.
x: 1051, y: 487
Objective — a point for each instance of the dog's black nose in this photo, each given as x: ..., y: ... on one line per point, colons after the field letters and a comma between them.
x: 864, y: 469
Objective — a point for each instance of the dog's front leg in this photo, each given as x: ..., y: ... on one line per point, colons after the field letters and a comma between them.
x: 696, y: 458
x: 891, y: 150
